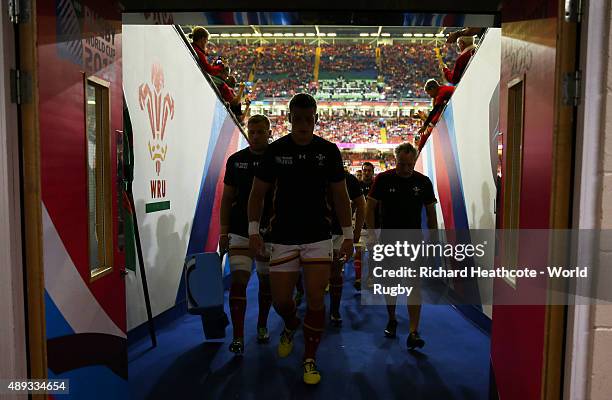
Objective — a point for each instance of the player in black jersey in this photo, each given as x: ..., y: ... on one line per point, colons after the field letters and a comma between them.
x: 367, y: 177
x: 402, y: 193
x: 239, y: 172
x: 335, y: 281
x: 301, y: 167
x: 367, y: 181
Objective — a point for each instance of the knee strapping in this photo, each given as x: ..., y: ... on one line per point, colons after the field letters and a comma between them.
x: 241, y: 263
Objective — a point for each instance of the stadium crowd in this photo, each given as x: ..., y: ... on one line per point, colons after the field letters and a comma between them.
x: 354, y: 129
x: 284, y: 69
x: 281, y: 70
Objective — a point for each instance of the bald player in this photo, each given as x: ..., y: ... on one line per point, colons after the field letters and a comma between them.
x: 239, y: 173
x: 402, y: 193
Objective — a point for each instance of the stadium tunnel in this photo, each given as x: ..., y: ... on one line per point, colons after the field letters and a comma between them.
x: 122, y: 85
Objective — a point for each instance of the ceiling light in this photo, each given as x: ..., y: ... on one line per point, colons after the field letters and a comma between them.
x: 439, y: 35
x: 429, y: 35
x: 256, y: 34
x: 407, y: 35
x: 322, y: 34
x: 225, y: 34
x: 364, y: 34
x: 235, y: 35
x: 288, y: 34
x: 310, y: 34
x: 246, y: 34
x: 267, y: 34
x: 418, y: 35
x: 277, y: 34
x: 385, y: 34
x: 373, y: 34
x: 214, y: 34
x: 331, y: 34
x: 299, y: 34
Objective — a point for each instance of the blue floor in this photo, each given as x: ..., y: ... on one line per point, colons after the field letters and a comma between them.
x: 356, y: 361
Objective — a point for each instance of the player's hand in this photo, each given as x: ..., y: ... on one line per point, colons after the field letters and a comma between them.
x: 223, y: 243
x: 452, y: 37
x: 256, y: 245
x: 346, y: 250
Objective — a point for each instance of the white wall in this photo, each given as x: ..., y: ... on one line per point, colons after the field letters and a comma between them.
x: 470, y: 110
x: 198, y: 117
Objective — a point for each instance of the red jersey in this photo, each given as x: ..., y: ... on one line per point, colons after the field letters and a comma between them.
x: 211, y: 69
x: 462, y: 61
x: 444, y: 94
x: 226, y: 92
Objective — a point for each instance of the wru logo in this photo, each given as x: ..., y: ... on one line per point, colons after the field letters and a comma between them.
x: 158, y: 110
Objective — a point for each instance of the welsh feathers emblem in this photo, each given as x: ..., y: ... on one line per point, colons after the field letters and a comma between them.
x: 159, y: 109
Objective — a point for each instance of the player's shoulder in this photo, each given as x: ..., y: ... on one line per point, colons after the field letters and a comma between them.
x: 351, y: 178
x: 421, y: 177
x: 279, y: 143
x: 390, y: 173
x: 234, y: 157
x: 239, y: 155
x: 323, y: 143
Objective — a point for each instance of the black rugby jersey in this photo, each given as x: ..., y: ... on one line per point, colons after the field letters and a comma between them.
x: 300, y: 175
x: 402, y: 198
x: 366, y: 187
x: 239, y: 172
x: 354, y: 190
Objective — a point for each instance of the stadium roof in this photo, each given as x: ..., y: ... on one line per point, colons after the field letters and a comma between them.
x: 323, y: 31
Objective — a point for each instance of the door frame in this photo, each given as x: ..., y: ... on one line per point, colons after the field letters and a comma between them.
x: 32, y: 201
x: 564, y: 138
x: 13, y: 364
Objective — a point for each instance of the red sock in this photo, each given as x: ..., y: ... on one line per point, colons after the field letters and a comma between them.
x: 314, y: 322
x: 237, y: 303
x: 335, y: 293
x: 265, y: 302
x: 287, y: 313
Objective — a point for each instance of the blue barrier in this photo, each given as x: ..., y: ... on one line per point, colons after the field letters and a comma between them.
x: 204, y: 284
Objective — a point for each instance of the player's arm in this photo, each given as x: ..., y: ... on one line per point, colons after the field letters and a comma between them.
x: 229, y: 195
x: 431, y: 116
x: 342, y: 204
x: 432, y: 222
x: 255, y: 207
x: 453, y: 36
x: 256, y: 201
x: 432, y: 219
x: 359, y: 204
x: 371, y: 212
